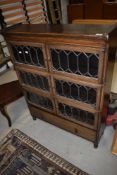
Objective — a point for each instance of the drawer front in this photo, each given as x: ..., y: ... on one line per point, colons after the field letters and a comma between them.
x: 40, y: 101
x: 81, y: 61
x: 29, y: 54
x: 64, y: 124
x: 83, y: 117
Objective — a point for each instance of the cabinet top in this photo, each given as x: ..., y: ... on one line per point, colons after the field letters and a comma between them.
x: 65, y: 30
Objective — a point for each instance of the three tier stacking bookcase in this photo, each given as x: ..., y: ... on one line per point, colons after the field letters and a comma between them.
x: 66, y: 73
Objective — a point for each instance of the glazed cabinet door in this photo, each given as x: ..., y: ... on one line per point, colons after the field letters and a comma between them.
x: 81, y: 93
x: 29, y: 54
x: 85, y: 63
x: 73, y: 113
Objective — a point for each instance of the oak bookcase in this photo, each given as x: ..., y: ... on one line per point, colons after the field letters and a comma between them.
x: 66, y: 73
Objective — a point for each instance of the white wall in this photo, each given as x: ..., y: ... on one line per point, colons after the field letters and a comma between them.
x: 64, y: 4
x: 6, y: 52
x: 114, y: 80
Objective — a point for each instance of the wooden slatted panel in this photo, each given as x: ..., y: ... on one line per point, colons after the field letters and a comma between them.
x: 12, y: 14
x: 12, y: 11
x: 6, y: 2
x: 16, y: 21
x: 35, y: 14
x: 30, y: 4
x: 38, y: 20
x: 7, y: 9
x: 36, y: 11
x: 94, y: 21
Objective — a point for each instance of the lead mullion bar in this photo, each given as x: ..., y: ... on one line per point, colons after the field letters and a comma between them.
x: 31, y: 58
x: 37, y: 57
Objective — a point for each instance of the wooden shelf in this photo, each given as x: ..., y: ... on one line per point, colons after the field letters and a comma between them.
x: 114, y: 144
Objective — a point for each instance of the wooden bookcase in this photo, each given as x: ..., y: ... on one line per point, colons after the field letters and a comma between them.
x: 75, y: 11
x: 91, y: 9
x: 64, y: 73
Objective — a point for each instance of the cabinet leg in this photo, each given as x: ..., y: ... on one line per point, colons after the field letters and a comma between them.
x: 7, y: 66
x: 34, y: 118
x: 4, y: 112
x: 96, y: 144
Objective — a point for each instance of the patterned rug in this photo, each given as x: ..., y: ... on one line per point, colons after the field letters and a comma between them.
x: 21, y: 155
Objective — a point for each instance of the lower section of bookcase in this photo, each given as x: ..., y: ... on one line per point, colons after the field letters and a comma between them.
x: 79, y: 130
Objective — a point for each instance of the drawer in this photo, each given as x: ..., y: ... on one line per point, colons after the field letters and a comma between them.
x: 63, y: 123
x: 29, y: 54
x: 77, y: 115
x: 83, y: 62
x: 87, y: 95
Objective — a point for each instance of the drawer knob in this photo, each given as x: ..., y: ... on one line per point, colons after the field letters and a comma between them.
x: 76, y: 131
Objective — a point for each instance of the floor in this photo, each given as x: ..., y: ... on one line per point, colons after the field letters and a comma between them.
x: 76, y: 150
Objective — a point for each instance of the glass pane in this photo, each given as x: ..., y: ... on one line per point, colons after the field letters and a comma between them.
x: 34, y: 80
x: 40, y: 100
x: 79, y: 63
x: 74, y: 91
x: 76, y: 114
x: 26, y: 51
x: 29, y: 55
x: 21, y: 54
